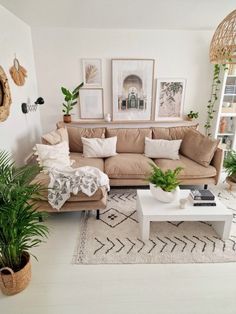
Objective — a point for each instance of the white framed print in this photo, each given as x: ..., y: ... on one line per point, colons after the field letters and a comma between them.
x: 91, y: 103
x: 92, y: 72
x: 170, y: 99
x: 132, y: 89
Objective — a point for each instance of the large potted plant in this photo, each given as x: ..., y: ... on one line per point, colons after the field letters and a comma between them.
x: 164, y: 185
x: 20, y: 226
x: 230, y: 167
x: 71, y: 98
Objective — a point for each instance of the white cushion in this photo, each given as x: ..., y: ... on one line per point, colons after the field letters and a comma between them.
x: 99, y: 147
x: 57, y: 136
x: 53, y: 156
x: 162, y: 148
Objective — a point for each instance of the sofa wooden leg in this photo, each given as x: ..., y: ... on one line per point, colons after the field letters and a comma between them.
x: 205, y: 186
x: 98, y: 214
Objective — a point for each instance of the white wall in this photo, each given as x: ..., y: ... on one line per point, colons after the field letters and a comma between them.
x: 19, y: 132
x: 178, y: 54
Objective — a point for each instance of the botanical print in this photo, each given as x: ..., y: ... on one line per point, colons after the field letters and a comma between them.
x: 170, y: 97
x: 91, y: 103
x: 92, y: 72
x: 132, y: 89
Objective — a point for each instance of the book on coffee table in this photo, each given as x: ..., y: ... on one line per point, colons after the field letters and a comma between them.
x: 202, y: 195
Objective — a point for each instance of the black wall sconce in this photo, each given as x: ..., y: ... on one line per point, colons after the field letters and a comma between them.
x: 29, y: 108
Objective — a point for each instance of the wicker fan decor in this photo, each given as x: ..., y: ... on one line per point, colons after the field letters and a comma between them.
x: 18, y: 73
x: 5, y: 96
x: 223, y: 43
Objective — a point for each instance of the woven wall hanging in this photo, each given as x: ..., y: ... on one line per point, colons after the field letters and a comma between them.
x: 18, y: 73
x: 5, y: 96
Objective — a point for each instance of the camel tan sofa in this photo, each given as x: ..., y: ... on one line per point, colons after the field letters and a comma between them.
x: 130, y: 167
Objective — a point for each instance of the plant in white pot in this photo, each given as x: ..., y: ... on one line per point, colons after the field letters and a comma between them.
x: 164, y: 185
x: 20, y: 227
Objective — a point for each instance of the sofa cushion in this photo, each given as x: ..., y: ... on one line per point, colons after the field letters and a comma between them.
x: 43, y: 179
x: 55, y: 137
x: 171, y: 133
x: 81, y: 161
x: 75, y: 134
x: 130, y: 140
x: 162, y: 148
x: 198, y: 147
x: 128, y: 166
x: 160, y: 133
x: 191, y: 169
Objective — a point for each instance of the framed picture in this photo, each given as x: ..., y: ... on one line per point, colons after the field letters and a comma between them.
x: 170, y: 99
x: 132, y: 89
x: 92, y: 72
x: 91, y: 103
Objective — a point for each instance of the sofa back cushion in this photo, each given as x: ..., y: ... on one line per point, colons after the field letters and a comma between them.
x: 171, y: 133
x: 75, y: 134
x: 198, y: 147
x: 130, y: 140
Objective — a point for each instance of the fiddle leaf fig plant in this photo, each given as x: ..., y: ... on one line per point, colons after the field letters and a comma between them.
x: 71, y: 98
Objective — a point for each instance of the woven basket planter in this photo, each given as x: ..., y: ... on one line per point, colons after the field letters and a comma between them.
x: 14, y: 282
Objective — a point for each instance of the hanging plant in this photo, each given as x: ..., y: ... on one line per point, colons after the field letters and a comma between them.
x: 214, y: 96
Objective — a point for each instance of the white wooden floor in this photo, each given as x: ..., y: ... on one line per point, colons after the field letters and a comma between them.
x: 58, y: 287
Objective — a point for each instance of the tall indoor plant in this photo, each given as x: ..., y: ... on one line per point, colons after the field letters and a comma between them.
x: 20, y: 227
x: 230, y: 165
x: 70, y: 98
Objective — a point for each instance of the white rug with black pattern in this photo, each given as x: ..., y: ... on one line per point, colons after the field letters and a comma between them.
x: 115, y: 238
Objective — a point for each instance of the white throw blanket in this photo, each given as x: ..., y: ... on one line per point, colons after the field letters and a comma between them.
x: 64, y: 182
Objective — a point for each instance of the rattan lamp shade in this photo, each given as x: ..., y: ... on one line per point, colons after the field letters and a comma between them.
x: 223, y: 43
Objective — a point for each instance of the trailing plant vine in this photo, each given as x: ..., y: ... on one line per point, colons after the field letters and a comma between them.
x: 214, y: 96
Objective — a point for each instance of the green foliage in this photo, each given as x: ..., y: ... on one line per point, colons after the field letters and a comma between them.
x: 193, y: 115
x: 70, y: 98
x: 230, y: 163
x: 167, y: 180
x: 20, y: 229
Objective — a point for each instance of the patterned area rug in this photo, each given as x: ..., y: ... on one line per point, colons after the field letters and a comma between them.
x: 115, y: 238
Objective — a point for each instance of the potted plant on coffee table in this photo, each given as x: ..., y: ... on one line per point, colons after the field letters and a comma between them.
x: 71, y: 99
x: 20, y: 227
x: 230, y: 167
x: 164, y: 185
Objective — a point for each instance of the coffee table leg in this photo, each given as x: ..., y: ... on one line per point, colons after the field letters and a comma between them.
x: 145, y: 229
x: 222, y: 228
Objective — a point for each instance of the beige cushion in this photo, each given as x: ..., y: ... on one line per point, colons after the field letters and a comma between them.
x: 55, y: 137
x: 162, y: 148
x: 173, y: 133
x: 198, y: 147
x: 192, y: 170
x: 75, y: 134
x: 99, y: 147
x: 81, y: 161
x: 128, y: 166
x: 130, y: 140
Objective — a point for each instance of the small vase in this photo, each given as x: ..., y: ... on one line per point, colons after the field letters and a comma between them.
x: 163, y: 196
x: 223, y: 124
x: 108, y: 117
x: 67, y: 118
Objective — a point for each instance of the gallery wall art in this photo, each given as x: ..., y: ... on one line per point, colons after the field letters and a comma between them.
x: 91, y: 103
x: 92, y: 72
x: 132, y: 89
x: 170, y: 99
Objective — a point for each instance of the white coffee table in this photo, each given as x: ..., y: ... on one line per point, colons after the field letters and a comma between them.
x: 149, y: 209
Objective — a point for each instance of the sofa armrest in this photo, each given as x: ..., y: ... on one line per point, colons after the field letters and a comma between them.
x: 217, y: 162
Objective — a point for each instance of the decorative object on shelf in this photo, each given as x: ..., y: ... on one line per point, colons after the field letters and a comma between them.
x: 18, y: 213
x: 223, y: 43
x: 164, y: 186
x: 192, y: 115
x: 232, y: 70
x: 223, y: 125
x: 92, y: 72
x: 26, y: 108
x: 91, y: 103
x: 108, y: 117
x: 132, y: 89
x: 18, y: 73
x: 170, y: 99
x: 71, y: 99
x: 5, y: 96
x: 230, y: 165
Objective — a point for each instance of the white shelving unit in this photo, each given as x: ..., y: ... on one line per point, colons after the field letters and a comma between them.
x: 225, y: 121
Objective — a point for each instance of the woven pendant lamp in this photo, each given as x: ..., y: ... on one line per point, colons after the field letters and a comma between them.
x: 223, y: 43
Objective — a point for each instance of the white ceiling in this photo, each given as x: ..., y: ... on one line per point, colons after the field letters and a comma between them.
x: 134, y: 14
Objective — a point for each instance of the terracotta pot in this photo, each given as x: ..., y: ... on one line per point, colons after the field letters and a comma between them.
x: 223, y: 125
x: 163, y: 196
x: 14, y: 282
x: 67, y: 118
